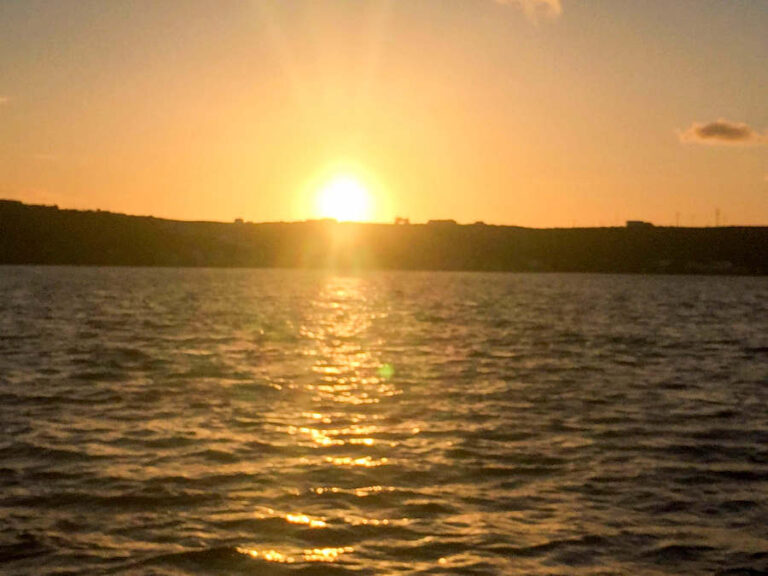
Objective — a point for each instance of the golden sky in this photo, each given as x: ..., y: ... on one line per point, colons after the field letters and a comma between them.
x: 528, y: 112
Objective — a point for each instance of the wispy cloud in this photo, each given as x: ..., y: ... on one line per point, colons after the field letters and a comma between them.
x: 723, y: 133
x: 536, y: 8
x: 4, y: 100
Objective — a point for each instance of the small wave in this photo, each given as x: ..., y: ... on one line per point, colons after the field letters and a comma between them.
x: 138, y: 500
x: 22, y: 449
x: 216, y: 456
x: 589, y: 541
x: 676, y: 553
x: 24, y: 546
x: 243, y: 560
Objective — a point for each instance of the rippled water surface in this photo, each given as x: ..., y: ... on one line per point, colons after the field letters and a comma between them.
x: 177, y: 422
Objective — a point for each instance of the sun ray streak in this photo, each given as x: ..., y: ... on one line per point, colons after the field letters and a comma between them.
x: 283, y: 53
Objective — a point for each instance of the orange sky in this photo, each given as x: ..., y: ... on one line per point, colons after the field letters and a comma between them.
x: 536, y: 113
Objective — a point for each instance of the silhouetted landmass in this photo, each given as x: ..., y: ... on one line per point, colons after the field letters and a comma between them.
x: 31, y: 234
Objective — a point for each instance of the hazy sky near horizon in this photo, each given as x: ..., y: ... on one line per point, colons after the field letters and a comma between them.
x: 530, y: 112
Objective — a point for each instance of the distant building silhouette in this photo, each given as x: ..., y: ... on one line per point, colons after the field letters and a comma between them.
x: 639, y: 224
x: 402, y: 221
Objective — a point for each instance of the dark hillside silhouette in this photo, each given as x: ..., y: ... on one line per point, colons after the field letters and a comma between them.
x: 31, y: 234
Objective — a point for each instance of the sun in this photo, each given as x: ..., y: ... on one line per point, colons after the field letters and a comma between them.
x: 344, y: 198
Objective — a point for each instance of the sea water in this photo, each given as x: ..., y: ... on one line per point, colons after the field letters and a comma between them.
x: 174, y: 422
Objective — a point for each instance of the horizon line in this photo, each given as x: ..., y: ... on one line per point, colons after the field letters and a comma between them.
x: 397, y: 221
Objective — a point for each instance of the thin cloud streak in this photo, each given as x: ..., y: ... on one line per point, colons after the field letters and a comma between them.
x: 722, y: 133
x: 4, y: 100
x: 535, y: 8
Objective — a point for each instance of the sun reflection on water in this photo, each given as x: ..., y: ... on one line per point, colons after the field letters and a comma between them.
x: 337, y: 420
x: 304, y: 519
x: 354, y: 434
x: 268, y: 555
x: 365, y: 461
x: 324, y: 555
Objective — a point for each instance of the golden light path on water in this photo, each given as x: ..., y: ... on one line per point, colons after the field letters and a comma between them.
x: 338, y: 412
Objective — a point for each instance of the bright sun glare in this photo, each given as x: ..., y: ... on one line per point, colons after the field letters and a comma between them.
x: 345, y: 199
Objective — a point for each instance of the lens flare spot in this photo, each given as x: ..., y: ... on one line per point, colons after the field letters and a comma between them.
x: 386, y: 371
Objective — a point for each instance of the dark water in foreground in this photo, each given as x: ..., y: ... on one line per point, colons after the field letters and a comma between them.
x: 272, y: 422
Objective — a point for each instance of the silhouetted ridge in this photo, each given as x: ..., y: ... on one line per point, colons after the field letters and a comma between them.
x: 32, y: 234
